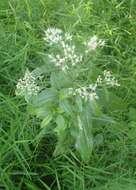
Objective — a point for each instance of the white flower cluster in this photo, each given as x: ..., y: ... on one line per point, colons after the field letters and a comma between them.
x: 93, y: 43
x: 27, y: 85
x: 109, y: 79
x: 70, y: 55
x: 87, y: 93
x: 58, y: 61
x: 67, y: 56
x: 53, y: 35
x: 68, y: 36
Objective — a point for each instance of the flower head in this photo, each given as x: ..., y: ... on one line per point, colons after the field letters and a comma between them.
x: 93, y: 43
x: 70, y: 54
x: 66, y: 56
x: 68, y: 36
x: 85, y: 92
x: 90, y: 92
x: 53, y: 35
x: 27, y: 86
x: 109, y: 79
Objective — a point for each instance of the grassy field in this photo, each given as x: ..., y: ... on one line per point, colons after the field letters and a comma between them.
x: 25, y: 165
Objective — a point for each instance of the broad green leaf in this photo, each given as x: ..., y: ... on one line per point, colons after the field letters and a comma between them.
x: 106, y: 93
x: 62, y: 135
x: 41, y: 112
x: 46, y: 96
x: 46, y: 120
x: 44, y: 69
x: 66, y: 106
x: 79, y: 104
x: 84, y: 141
x: 63, y: 144
x: 61, y: 125
x: 64, y: 93
x: 84, y: 146
x: 38, y: 71
x: 82, y: 133
x: 96, y: 110
x: 60, y: 80
x: 43, y: 132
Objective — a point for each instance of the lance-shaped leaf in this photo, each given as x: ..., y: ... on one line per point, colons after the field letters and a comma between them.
x: 79, y: 104
x: 82, y: 134
x: 46, y: 96
x: 62, y: 136
x: 66, y: 107
x: 60, y: 80
x: 46, y: 120
x: 46, y: 68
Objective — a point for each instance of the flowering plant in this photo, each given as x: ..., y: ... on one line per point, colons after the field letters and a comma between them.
x: 55, y: 92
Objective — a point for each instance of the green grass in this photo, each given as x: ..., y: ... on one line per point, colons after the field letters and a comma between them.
x: 25, y: 165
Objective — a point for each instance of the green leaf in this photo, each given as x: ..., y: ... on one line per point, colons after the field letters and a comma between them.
x: 60, y: 80
x: 61, y: 125
x: 79, y: 104
x: 82, y: 133
x: 42, y: 133
x: 62, y: 136
x: 96, y: 110
x: 46, y: 120
x: 41, y: 112
x: 46, y: 96
x: 84, y: 141
x: 46, y: 68
x: 64, y: 93
x: 66, y: 107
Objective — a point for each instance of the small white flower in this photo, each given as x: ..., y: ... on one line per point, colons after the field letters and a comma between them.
x: 99, y: 80
x: 67, y: 56
x: 93, y: 43
x: 27, y: 86
x: 86, y: 92
x: 93, y: 87
x: 53, y: 36
x: 89, y: 92
x: 93, y: 96
x: 70, y: 55
x: 59, y: 61
x: 109, y: 79
x: 68, y: 36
